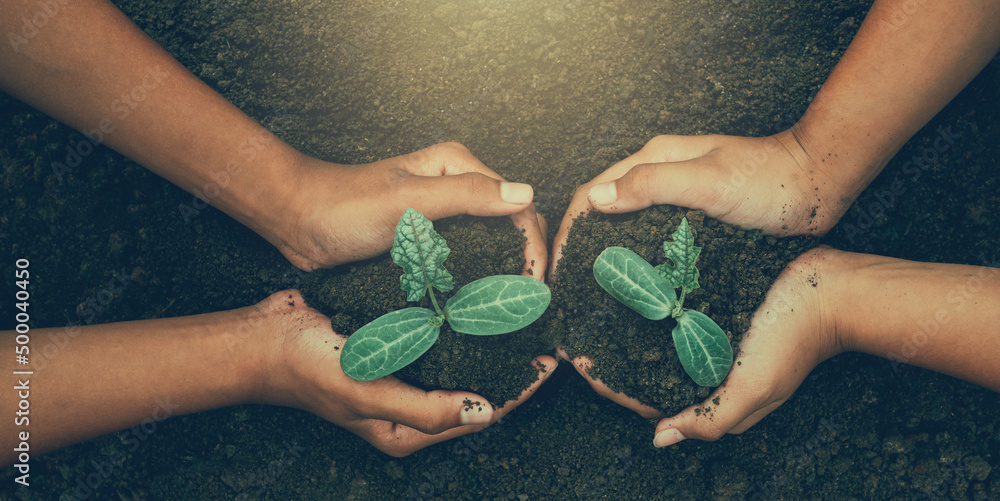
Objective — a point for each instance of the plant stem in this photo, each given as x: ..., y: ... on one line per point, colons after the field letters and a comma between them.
x: 679, y: 308
x: 434, y: 301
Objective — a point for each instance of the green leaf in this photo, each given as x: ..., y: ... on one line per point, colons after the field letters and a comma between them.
x: 682, y: 253
x: 389, y: 343
x: 633, y: 281
x: 421, y: 252
x: 703, y: 348
x: 497, y: 305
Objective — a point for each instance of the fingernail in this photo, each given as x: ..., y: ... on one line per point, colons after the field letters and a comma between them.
x: 667, y: 437
x: 603, y: 194
x: 476, y: 413
x: 516, y: 193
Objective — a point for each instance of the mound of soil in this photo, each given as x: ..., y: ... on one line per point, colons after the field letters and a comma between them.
x: 634, y: 355
x: 496, y: 367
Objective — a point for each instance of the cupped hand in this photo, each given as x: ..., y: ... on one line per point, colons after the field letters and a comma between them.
x: 790, y: 333
x: 768, y: 183
x: 302, y: 357
x: 347, y: 213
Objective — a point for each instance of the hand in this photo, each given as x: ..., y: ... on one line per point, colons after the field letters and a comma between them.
x: 304, y: 372
x: 791, y: 332
x: 767, y: 183
x: 789, y: 335
x: 346, y: 213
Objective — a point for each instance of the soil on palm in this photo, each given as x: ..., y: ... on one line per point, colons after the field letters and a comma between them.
x: 634, y: 355
x: 495, y: 367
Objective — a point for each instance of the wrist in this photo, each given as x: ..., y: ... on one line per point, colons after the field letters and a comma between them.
x: 852, y: 277
x: 307, y: 198
x: 255, y: 345
x: 826, y: 189
x: 845, y: 155
x: 238, y: 337
x: 259, y: 187
x: 274, y: 332
x: 836, y: 274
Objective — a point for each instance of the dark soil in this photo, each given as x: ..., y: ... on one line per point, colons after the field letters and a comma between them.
x: 634, y: 355
x: 544, y: 92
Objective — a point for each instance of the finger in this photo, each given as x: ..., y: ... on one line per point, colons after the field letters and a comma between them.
x: 732, y: 408
x: 536, y: 254
x: 658, y: 150
x: 747, y: 423
x: 546, y: 366
x: 578, y: 206
x: 433, y: 412
x: 449, y: 180
x: 693, y: 183
x: 445, y: 159
x: 471, y: 193
x: 583, y: 365
x: 475, y: 189
x: 400, y: 440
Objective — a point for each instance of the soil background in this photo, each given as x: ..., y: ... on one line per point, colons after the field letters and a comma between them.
x: 548, y: 93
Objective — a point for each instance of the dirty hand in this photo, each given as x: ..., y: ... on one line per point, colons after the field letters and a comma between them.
x: 789, y: 335
x: 347, y: 213
x: 767, y: 183
x: 303, y: 371
x: 791, y: 332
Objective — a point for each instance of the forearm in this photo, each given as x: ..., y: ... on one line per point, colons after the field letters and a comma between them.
x: 942, y: 317
x: 90, y: 67
x: 906, y: 62
x: 111, y: 377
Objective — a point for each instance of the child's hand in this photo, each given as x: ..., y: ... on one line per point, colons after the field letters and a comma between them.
x: 346, y: 213
x: 789, y: 335
x: 303, y: 360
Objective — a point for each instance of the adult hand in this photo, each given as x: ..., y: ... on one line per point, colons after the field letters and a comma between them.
x: 304, y: 372
x: 791, y: 332
x: 345, y: 213
x: 767, y: 183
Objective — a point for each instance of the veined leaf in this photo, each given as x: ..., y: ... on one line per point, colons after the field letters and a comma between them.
x: 497, y: 305
x: 703, y: 348
x: 421, y: 252
x: 681, y: 271
x: 388, y: 343
x: 633, y: 281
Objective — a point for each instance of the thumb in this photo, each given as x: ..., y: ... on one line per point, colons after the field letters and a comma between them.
x: 691, y: 183
x: 433, y: 412
x: 713, y: 418
x: 470, y: 193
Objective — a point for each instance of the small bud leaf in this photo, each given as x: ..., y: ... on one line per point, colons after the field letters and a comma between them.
x: 421, y: 252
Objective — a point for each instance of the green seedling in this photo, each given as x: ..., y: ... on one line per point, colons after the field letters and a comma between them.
x: 702, y: 346
x: 485, y: 307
